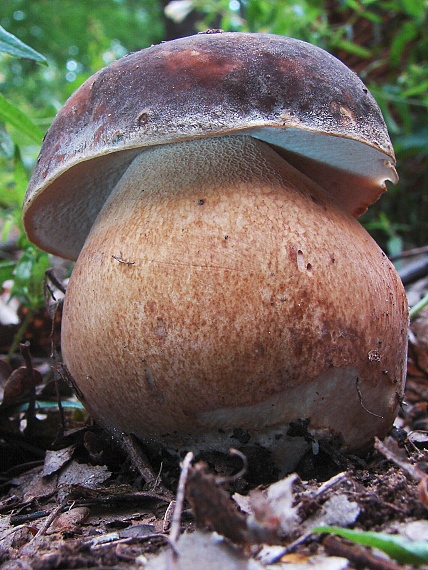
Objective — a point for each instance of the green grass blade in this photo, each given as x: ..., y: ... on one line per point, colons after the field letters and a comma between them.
x: 12, y: 115
x: 12, y: 45
x: 416, y: 309
x: 397, y: 547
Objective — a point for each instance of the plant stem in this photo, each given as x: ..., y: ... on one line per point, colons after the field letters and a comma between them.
x: 418, y: 307
x: 20, y: 334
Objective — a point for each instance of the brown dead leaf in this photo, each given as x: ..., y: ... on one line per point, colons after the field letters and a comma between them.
x: 94, y: 444
x: 272, y: 514
x: 14, y: 538
x: 39, y: 487
x: 212, y: 506
x: 19, y: 385
x: 5, y: 372
x: 415, y: 530
x: 418, y: 438
x: 204, y: 551
x: 389, y: 448
x: 423, y: 491
x: 295, y: 558
x: 338, y: 510
x: 82, y: 475
x: 137, y: 531
x: 69, y: 521
x: 54, y: 460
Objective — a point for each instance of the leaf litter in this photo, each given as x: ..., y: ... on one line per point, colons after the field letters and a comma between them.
x: 71, y: 497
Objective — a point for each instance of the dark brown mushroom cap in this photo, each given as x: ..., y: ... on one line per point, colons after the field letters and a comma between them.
x: 311, y: 107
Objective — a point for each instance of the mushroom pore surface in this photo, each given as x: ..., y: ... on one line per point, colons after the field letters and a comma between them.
x: 220, y: 289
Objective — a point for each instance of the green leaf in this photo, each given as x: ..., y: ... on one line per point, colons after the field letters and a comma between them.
x: 6, y: 145
x: 420, y: 89
x: 12, y: 45
x: 407, y: 33
x: 416, y: 309
x: 417, y: 141
x: 355, y: 49
x: 20, y: 176
x: 28, y: 277
x: 8, y: 223
x: 397, y: 547
x: 6, y: 270
x: 12, y: 115
x: 415, y: 9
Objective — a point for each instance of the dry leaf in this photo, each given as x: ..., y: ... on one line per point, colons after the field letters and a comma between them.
x: 204, y: 551
x: 18, y: 386
x: 68, y: 521
x: 423, y: 491
x: 272, y: 513
x: 54, y: 460
x: 212, y: 505
x: 339, y: 510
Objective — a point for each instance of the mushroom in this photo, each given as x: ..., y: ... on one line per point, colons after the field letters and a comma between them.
x: 223, y: 289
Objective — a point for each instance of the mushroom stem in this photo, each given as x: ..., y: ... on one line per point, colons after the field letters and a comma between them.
x: 225, y: 289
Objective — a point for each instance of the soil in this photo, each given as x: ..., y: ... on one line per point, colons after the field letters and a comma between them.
x: 71, y: 497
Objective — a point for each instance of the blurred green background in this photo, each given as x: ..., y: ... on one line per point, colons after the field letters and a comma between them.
x: 384, y: 41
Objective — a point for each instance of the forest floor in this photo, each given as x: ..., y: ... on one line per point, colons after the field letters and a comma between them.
x: 71, y: 497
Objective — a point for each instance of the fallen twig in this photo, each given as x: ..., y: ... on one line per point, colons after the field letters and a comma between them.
x: 357, y: 555
x: 53, y: 515
x: 410, y: 470
x: 141, y: 463
x: 168, y: 516
x: 31, y: 412
x: 178, y: 509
